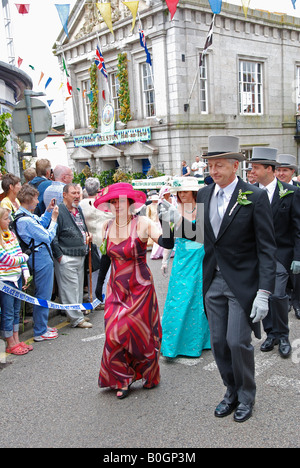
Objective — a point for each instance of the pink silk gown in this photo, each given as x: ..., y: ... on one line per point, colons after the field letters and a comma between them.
x: 132, y: 323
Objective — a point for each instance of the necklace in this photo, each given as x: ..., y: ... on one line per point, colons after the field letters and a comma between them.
x: 189, y: 212
x: 123, y: 225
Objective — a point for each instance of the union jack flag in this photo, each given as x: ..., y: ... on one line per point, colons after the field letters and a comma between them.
x: 99, y: 61
x: 144, y: 45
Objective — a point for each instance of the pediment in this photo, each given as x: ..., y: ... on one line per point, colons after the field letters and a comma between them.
x: 139, y: 149
x: 85, y: 19
x: 108, y: 151
x: 81, y: 154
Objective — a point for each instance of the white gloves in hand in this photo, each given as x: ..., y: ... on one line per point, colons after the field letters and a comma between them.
x: 168, y: 212
x: 260, y: 307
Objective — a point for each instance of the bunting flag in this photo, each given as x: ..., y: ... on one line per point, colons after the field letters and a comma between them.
x: 105, y: 10
x: 99, y: 61
x: 48, y: 82
x: 294, y: 3
x: 90, y: 96
x: 144, y: 45
x: 23, y: 8
x: 63, y: 13
x: 133, y: 7
x: 172, y: 6
x: 20, y: 61
x: 245, y: 4
x: 65, y: 68
x: 50, y: 102
x: 69, y: 87
x: 208, y: 41
x: 60, y: 86
x: 215, y: 6
x: 32, y: 67
x: 41, y: 77
x: 103, y: 95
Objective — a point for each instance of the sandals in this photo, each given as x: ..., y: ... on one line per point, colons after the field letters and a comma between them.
x: 124, y: 391
x: 26, y: 346
x: 18, y: 350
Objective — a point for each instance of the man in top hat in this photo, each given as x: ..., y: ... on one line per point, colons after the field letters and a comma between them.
x: 284, y: 171
x: 238, y: 270
x: 285, y: 203
x: 286, y: 168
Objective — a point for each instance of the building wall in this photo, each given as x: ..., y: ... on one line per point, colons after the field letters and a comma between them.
x: 179, y: 132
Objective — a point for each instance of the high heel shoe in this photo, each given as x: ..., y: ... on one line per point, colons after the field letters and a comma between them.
x: 124, y: 393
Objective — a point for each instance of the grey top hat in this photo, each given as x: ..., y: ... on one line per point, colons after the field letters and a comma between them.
x: 263, y: 155
x: 287, y: 160
x: 220, y: 147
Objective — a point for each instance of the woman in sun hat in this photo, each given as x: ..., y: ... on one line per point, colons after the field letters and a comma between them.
x: 184, y: 323
x: 132, y: 322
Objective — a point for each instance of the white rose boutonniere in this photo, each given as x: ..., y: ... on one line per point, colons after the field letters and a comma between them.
x: 241, y: 200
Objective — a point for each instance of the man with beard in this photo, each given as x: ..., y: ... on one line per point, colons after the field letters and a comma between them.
x: 70, y: 246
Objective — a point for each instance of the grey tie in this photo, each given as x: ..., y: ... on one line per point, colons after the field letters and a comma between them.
x: 216, y: 212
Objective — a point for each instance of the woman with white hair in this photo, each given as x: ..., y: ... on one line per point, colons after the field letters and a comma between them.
x: 94, y: 220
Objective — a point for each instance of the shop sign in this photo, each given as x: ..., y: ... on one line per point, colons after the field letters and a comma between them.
x: 128, y: 135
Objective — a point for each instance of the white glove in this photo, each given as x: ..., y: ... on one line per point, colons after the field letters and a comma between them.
x: 295, y: 267
x: 260, y: 307
x: 168, y: 212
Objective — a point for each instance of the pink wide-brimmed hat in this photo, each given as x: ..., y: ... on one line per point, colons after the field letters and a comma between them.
x: 119, y: 190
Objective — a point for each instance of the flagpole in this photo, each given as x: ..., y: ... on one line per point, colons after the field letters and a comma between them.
x: 204, y: 52
x: 150, y: 66
x: 106, y: 79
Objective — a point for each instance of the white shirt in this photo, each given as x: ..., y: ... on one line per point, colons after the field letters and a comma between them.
x: 270, y: 188
x: 228, y: 191
x: 199, y: 166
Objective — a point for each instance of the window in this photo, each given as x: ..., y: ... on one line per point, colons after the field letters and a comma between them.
x: 115, y: 86
x: 86, y: 89
x: 203, y: 86
x: 250, y: 87
x: 148, y: 91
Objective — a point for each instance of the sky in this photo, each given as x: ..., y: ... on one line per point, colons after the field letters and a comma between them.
x: 36, y: 32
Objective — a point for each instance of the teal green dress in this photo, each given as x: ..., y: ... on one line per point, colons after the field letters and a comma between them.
x: 184, y: 322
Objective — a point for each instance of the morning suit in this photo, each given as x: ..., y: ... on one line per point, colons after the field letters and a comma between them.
x: 238, y: 261
x: 286, y: 219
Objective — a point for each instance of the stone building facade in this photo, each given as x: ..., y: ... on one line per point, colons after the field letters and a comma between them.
x: 248, y: 85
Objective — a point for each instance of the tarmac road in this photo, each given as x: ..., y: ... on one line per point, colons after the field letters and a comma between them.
x: 50, y: 398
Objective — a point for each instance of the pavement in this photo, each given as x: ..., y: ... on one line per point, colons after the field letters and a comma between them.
x: 50, y: 397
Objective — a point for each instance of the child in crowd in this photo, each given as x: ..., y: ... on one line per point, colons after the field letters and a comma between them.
x: 12, y: 265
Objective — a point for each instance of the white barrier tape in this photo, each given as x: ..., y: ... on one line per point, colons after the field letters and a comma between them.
x: 43, y: 303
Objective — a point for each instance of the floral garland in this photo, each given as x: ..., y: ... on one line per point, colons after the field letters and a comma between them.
x: 94, y: 115
x: 124, y: 94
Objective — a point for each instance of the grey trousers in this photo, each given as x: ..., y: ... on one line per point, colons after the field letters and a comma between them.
x: 276, y: 324
x: 69, y: 275
x: 231, y: 342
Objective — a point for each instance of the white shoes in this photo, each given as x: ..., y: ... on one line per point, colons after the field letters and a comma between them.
x: 84, y: 324
x: 49, y: 335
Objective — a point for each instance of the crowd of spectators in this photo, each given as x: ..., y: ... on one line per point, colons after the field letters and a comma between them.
x: 49, y: 232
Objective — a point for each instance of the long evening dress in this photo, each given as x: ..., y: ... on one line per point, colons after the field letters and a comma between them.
x: 132, y: 323
x: 184, y: 322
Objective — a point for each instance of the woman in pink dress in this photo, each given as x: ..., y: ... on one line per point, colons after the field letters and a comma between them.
x: 132, y: 323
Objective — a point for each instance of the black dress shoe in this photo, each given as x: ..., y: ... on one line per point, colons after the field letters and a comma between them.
x: 268, y: 344
x: 243, y: 412
x: 224, y: 409
x: 297, y: 312
x: 284, y: 347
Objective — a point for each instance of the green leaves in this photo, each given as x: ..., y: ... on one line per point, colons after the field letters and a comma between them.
x: 283, y: 192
